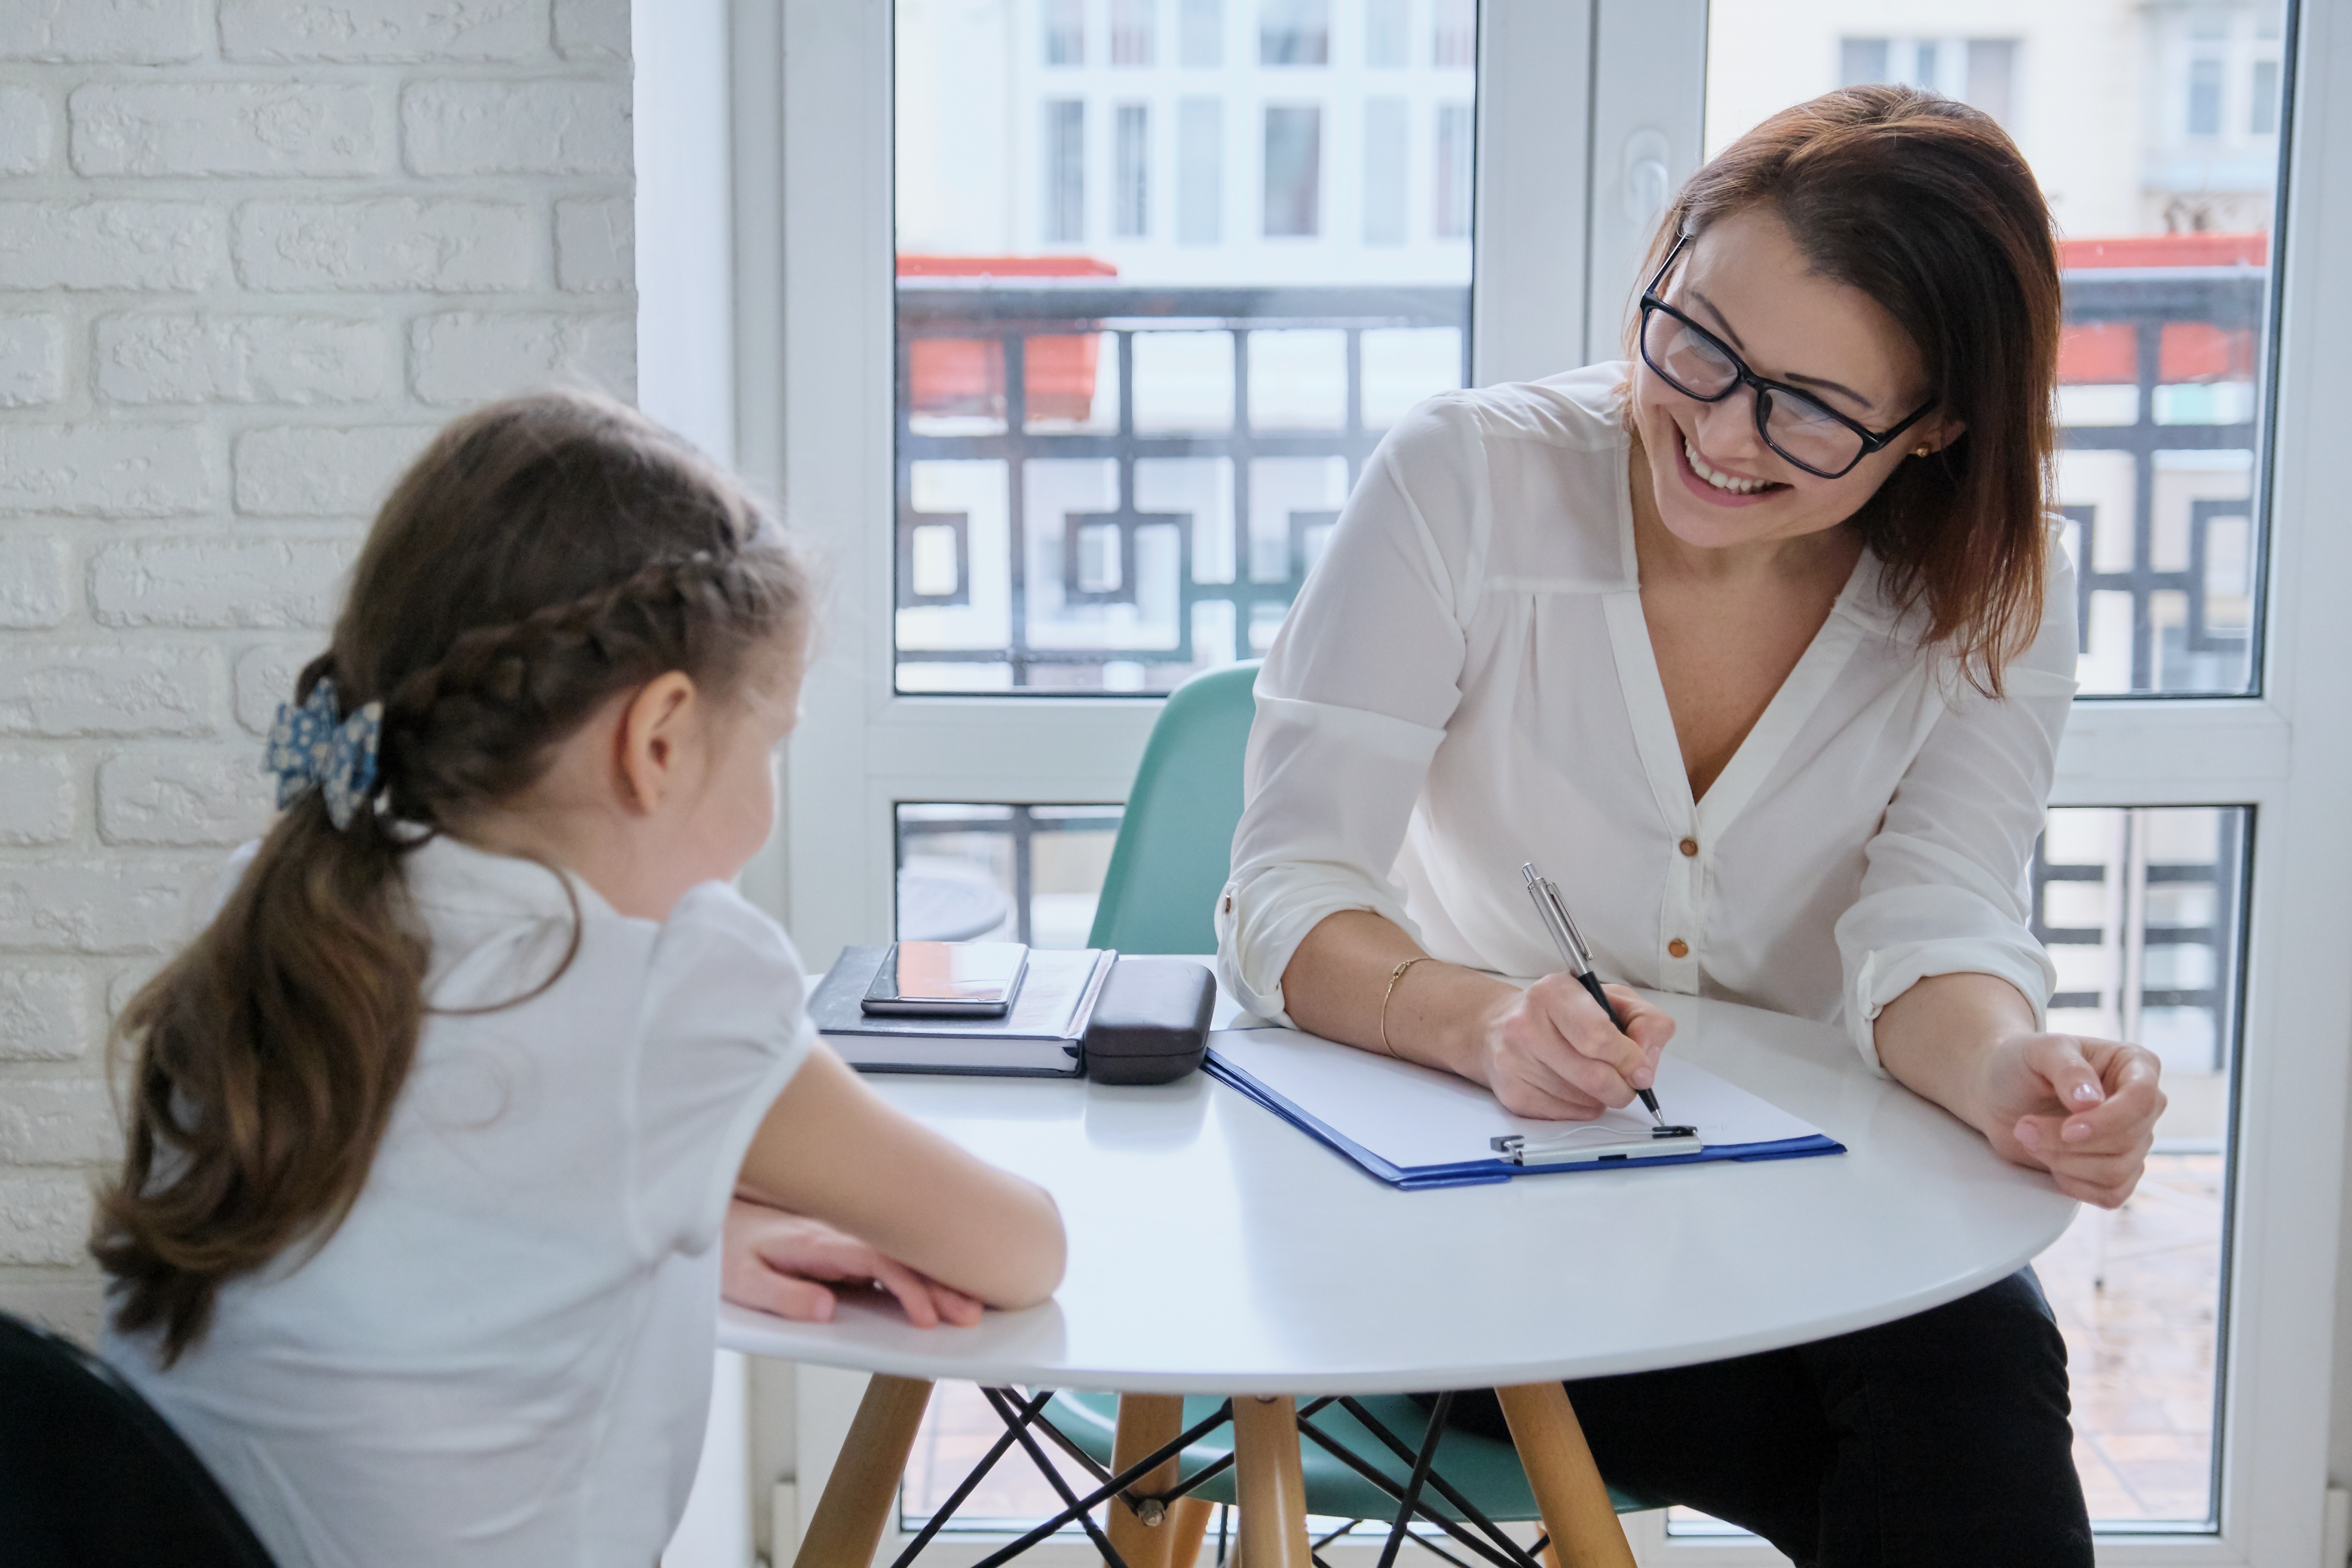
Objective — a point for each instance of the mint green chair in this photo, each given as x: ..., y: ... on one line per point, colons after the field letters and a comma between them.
x: 1173, y: 854
x: 1176, y: 841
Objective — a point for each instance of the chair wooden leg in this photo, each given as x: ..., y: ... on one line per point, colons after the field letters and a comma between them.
x: 863, y: 1486
x: 1145, y: 1422
x: 1187, y: 1527
x: 1569, y: 1491
x: 1272, y: 1487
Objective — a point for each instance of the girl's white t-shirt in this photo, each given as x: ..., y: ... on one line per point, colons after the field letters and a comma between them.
x: 502, y: 1355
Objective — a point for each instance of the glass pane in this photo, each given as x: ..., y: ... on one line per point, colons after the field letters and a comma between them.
x: 2155, y: 132
x: 2142, y: 911
x: 1019, y: 873
x: 1167, y: 269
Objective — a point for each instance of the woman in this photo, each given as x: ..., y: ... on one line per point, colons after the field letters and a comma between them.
x: 1760, y: 646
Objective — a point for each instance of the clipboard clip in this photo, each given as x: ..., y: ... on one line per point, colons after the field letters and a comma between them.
x: 1512, y: 1147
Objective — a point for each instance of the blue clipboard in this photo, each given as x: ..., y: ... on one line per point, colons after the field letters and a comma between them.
x: 1479, y: 1172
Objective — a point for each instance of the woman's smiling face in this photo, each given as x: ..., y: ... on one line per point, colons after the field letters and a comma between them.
x: 1715, y: 481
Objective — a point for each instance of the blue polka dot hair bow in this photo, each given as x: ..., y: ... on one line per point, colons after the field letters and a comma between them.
x: 314, y: 747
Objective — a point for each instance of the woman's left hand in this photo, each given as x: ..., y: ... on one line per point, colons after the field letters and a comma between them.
x: 2084, y: 1110
x: 789, y: 1264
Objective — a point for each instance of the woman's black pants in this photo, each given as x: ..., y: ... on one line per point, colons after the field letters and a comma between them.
x: 1937, y: 1441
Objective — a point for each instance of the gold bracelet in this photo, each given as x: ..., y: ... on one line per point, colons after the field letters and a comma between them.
x: 1394, y: 976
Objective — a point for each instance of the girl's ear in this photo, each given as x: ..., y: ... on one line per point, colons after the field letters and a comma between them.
x: 650, y: 743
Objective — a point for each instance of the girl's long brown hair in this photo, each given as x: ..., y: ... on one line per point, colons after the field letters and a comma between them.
x: 540, y: 557
x: 1926, y: 206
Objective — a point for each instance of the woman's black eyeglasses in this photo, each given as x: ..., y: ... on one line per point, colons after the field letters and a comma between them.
x: 1793, y: 422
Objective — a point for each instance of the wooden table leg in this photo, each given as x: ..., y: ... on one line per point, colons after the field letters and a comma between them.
x: 1187, y: 1527
x: 863, y: 1486
x: 1569, y: 1491
x: 1147, y: 1422
x: 1272, y: 1487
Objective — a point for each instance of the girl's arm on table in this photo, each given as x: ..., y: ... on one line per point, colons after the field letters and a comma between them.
x: 834, y: 1150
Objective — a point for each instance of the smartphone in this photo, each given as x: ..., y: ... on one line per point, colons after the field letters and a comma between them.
x: 949, y: 980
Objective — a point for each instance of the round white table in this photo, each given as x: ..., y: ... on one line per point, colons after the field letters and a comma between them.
x: 1215, y: 1249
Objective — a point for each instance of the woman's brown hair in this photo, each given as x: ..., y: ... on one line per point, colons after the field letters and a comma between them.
x: 541, y: 555
x: 1926, y: 206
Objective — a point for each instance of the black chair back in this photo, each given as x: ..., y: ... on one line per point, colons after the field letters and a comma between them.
x: 91, y: 1477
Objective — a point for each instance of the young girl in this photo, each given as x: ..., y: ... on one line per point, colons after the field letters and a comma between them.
x: 435, y: 1127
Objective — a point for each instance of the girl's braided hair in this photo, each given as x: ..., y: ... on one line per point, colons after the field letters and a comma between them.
x: 542, y: 556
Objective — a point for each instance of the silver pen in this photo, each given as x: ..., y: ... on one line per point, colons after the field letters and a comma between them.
x: 1578, y: 958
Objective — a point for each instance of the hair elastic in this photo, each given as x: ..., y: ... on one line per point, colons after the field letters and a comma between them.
x: 315, y: 746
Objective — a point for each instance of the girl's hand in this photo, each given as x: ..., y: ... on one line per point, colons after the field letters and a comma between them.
x: 1550, y: 1051
x: 2083, y: 1110
x: 773, y: 1262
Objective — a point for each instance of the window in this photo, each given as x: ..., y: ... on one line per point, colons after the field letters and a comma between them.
x: 1066, y: 31
x: 2142, y: 900
x: 1294, y: 32
x: 1131, y: 162
x: 2204, y: 111
x: 1132, y: 32
x: 1454, y: 33
x: 1992, y: 78
x: 1097, y: 479
x: 2263, y: 119
x: 1065, y: 171
x: 1200, y: 171
x: 1385, y: 24
x: 1454, y: 171
x: 1293, y: 172
x: 1202, y: 33
x: 1384, y: 170
x: 1980, y: 71
x: 1862, y: 61
x: 1119, y: 451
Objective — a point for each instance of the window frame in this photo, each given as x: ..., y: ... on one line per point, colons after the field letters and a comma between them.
x: 2272, y: 751
x: 1561, y: 179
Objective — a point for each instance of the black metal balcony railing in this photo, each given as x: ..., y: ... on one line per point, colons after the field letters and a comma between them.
x: 2134, y: 882
x: 2195, y: 657
x: 2170, y: 653
x: 1013, y: 317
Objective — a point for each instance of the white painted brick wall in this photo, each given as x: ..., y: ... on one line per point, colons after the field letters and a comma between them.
x: 252, y: 254
x: 227, y: 128
x: 126, y: 32
x: 34, y: 592
x: 390, y: 31
x: 32, y: 358
x: 277, y: 583
x: 320, y: 470
x: 199, y: 356
x: 392, y: 244
x: 44, y: 1013
x: 25, y: 136
x: 37, y: 798
x: 466, y: 356
x: 169, y: 798
x: 78, y: 245
x: 596, y: 245
x: 516, y: 128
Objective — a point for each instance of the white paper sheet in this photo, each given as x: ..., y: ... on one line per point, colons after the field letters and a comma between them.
x: 1416, y: 1117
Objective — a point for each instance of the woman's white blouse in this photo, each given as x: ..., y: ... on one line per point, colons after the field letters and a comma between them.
x: 1466, y: 683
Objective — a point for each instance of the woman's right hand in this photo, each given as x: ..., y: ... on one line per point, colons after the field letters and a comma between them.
x: 1549, y: 1051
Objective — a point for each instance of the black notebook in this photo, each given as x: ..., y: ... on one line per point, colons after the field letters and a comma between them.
x: 1042, y: 1036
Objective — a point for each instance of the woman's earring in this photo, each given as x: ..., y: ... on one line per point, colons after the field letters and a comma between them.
x: 1921, y: 451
